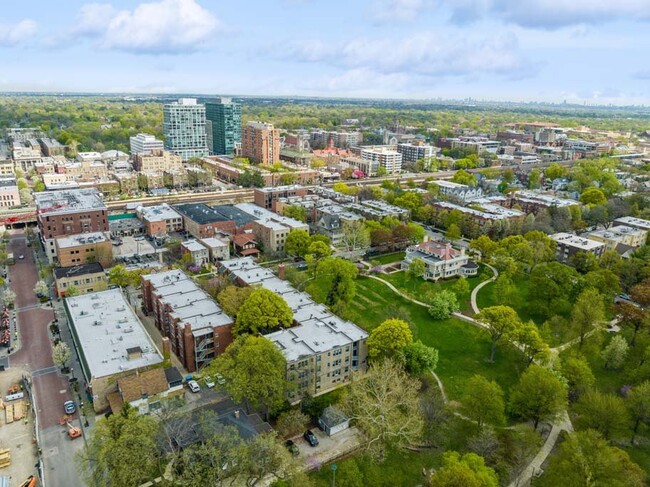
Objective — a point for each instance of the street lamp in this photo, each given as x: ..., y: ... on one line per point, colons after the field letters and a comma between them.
x: 334, y: 466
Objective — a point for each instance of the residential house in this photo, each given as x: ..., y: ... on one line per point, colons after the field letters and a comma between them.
x: 442, y: 261
x: 200, y: 254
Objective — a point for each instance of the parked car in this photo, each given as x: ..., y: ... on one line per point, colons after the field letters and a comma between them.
x: 21, y: 257
x: 208, y: 382
x: 220, y: 378
x: 194, y: 386
x: 292, y: 447
x: 69, y: 407
x: 311, y: 438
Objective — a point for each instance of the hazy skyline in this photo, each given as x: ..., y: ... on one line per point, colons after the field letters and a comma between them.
x: 538, y: 50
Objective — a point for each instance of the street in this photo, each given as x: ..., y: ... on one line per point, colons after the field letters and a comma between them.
x: 49, y: 386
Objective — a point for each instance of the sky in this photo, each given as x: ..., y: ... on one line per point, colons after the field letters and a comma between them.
x: 578, y: 51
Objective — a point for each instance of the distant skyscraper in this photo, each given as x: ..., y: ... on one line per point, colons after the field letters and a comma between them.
x: 184, y: 127
x: 261, y: 143
x: 223, y: 122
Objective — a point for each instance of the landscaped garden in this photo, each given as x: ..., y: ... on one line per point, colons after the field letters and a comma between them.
x: 463, y: 348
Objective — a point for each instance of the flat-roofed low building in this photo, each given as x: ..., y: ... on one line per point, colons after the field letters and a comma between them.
x: 633, y: 222
x: 377, y: 210
x: 83, y: 279
x: 442, y: 261
x: 270, y: 228
x: 157, y: 161
x: 200, y: 254
x: 9, y: 195
x: 620, y: 237
x: 569, y: 245
x: 218, y: 249
x: 322, y: 350
x: 202, y: 221
x: 266, y: 197
x: 159, y: 220
x: 110, y: 340
x: 197, y: 328
x: 85, y: 248
x: 535, y: 201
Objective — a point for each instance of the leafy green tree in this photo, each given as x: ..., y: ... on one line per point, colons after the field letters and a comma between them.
x: 255, y: 372
x: 593, y: 196
x: 121, y: 451
x: 638, y: 402
x: 389, y: 339
x: 531, y: 343
x: 585, y: 458
x: 539, y: 395
x: 348, y: 474
x: 485, y: 245
x: 420, y: 358
x: 555, y: 171
x: 534, y: 178
x: 605, y: 413
x: 297, y: 243
x: 355, y: 235
x: 295, y: 211
x: 463, y: 177
x: 575, y: 369
x: 588, y: 312
x: 385, y: 406
x: 291, y: 423
x: 340, y: 275
x: 453, y: 232
x: 262, y: 312
x: 615, y: 353
x: 501, y: 322
x: 319, y: 250
x: 482, y: 402
x: 416, y: 270
x: 468, y: 470
x: 442, y: 304
x: 61, y: 355
x: 231, y: 299
x: 461, y: 287
x: 584, y: 262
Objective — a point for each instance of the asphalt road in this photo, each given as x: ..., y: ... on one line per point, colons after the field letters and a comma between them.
x: 49, y: 386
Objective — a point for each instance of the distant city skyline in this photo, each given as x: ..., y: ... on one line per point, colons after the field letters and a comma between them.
x: 583, y: 52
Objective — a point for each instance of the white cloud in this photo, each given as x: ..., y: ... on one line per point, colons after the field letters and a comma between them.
x: 391, y: 11
x: 550, y: 14
x: 163, y: 27
x: 423, y: 54
x: 10, y: 35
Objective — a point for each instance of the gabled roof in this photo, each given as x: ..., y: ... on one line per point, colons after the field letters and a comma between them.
x: 150, y: 382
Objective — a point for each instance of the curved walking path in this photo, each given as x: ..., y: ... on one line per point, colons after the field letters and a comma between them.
x: 495, y: 275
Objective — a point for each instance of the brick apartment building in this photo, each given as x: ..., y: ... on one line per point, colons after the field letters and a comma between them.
x: 84, y: 248
x: 69, y: 212
x: 261, y: 143
x: 267, y: 197
x: 197, y: 328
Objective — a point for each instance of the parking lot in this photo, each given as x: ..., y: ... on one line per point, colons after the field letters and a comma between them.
x: 137, y: 252
x: 329, y: 448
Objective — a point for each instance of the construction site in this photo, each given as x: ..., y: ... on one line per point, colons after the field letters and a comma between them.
x: 18, y: 448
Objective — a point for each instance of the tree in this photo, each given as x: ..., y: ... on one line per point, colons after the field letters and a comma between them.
x: 41, y: 288
x: 463, y: 177
x: 340, y: 275
x: 588, y: 312
x: 615, y: 353
x: 385, y: 406
x: 585, y: 458
x: 9, y: 297
x: 232, y: 298
x: 389, y: 339
x: 575, y: 369
x: 461, y: 287
x: 121, y: 451
x: 442, y: 304
x: 355, y: 235
x: 26, y: 197
x: 584, y: 261
x: 420, y: 358
x: 501, y: 322
x: 555, y: 171
x: 297, y: 243
x: 485, y: 245
x: 531, y: 343
x: 482, y: 402
x: 295, y: 211
x: 605, y: 413
x: 416, y: 269
x: 263, y: 312
x: 255, y: 373
x: 539, y: 395
x: 593, y: 196
x: 291, y: 423
x: 638, y: 402
x: 318, y: 250
x: 61, y: 355
x: 468, y: 470
x: 453, y: 232
x: 119, y: 276
x: 534, y: 178
x: 71, y: 291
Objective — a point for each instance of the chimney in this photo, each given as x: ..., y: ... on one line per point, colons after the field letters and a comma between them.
x: 166, y: 348
x: 281, y: 271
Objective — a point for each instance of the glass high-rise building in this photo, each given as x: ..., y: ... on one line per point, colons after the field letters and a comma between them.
x: 184, y: 128
x: 223, y: 126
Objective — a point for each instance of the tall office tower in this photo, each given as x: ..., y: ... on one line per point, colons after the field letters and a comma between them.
x: 261, y: 143
x: 223, y: 122
x: 184, y: 128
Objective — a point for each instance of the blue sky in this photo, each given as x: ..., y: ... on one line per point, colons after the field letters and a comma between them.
x: 593, y: 51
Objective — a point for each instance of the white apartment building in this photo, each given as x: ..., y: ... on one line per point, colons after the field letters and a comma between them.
x: 389, y: 159
x: 145, y: 144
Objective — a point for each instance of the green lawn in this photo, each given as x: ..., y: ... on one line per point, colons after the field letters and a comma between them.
x: 388, y: 258
x: 486, y: 298
x: 419, y: 288
x: 463, y: 347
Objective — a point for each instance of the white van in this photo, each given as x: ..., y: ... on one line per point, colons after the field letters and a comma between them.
x: 193, y: 385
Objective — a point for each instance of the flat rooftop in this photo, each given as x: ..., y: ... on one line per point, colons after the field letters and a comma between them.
x: 189, y: 303
x: 269, y: 218
x: 201, y: 213
x: 318, y: 330
x: 575, y: 241
x: 543, y: 198
x: 212, y: 242
x: 231, y: 212
x: 618, y: 232
x: 193, y: 245
x: 158, y: 213
x: 78, y: 270
x: 631, y: 221
x: 280, y: 189
x: 69, y: 201
x: 82, y: 239
x: 105, y: 327
x: 8, y: 183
